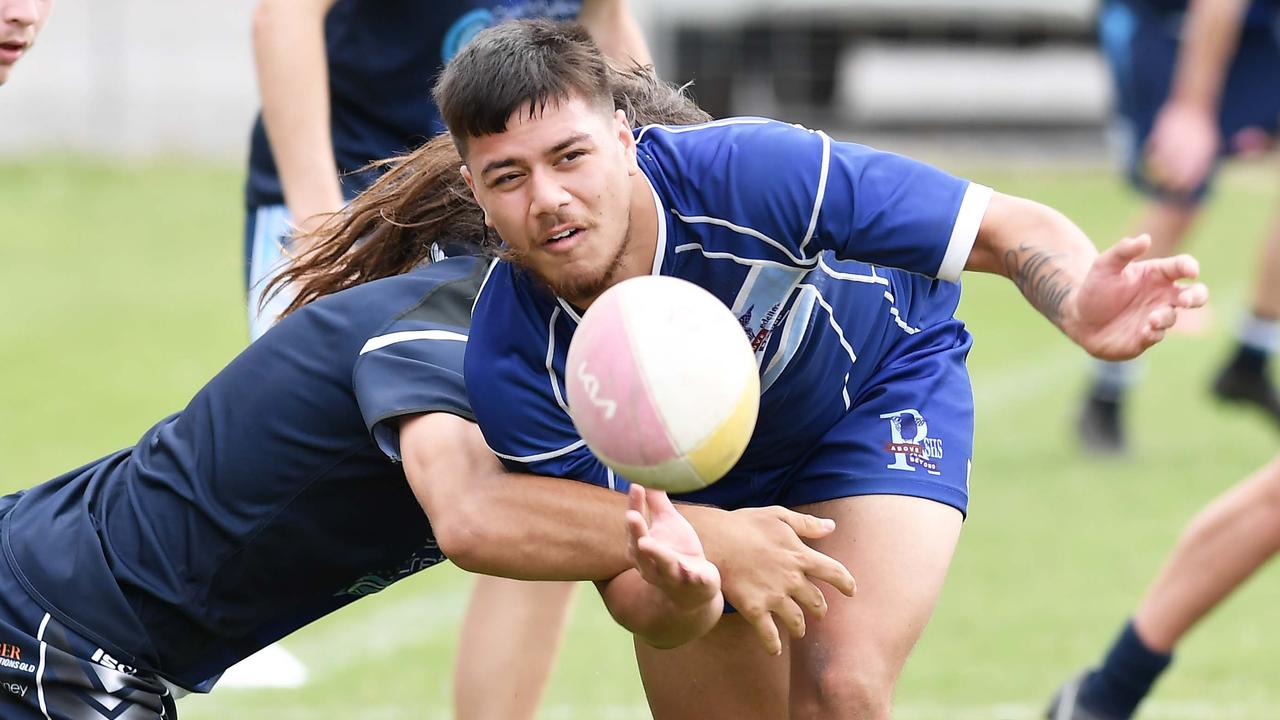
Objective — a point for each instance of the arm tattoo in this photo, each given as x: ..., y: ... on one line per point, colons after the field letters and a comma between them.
x: 1040, y: 278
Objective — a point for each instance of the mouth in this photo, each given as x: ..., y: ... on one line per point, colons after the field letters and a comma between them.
x: 563, y: 238
x: 11, y: 51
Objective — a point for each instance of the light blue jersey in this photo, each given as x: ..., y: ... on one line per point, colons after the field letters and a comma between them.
x: 837, y: 259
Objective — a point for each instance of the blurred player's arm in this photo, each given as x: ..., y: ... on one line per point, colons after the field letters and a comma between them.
x: 525, y: 527
x: 1210, y: 35
x: 532, y: 527
x: 1109, y: 304
x: 293, y: 80
x: 1184, y: 140
x: 614, y: 28
x: 672, y: 593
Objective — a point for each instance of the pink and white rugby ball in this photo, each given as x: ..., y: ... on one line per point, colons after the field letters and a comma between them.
x: 662, y: 383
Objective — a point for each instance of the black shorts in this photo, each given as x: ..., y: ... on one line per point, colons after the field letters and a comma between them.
x: 48, y: 672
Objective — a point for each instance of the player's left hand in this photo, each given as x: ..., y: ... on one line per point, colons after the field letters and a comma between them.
x: 1124, y: 306
x: 667, y: 551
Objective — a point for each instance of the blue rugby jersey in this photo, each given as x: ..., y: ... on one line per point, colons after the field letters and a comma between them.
x: 273, y: 498
x: 383, y: 57
x: 796, y: 234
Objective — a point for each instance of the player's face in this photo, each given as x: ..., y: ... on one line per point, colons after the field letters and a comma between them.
x: 557, y: 187
x: 20, y: 22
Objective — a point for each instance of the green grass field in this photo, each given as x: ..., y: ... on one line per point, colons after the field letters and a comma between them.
x: 120, y: 293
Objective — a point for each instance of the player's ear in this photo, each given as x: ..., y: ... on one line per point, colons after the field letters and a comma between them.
x: 627, y: 139
x: 471, y: 185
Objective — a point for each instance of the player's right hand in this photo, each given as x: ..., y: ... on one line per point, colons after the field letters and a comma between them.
x: 767, y: 571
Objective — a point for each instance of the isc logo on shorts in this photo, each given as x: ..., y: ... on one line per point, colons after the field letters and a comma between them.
x: 912, y: 449
x: 101, y: 657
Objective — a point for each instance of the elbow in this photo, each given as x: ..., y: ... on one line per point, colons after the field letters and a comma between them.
x: 460, y: 534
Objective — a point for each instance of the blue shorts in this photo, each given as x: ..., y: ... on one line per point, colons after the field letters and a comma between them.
x: 48, y: 672
x: 1141, y: 46
x: 908, y: 431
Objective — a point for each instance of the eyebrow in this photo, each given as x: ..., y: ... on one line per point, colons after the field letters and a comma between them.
x: 558, y: 147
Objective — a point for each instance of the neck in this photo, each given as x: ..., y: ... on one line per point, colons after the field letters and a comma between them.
x: 641, y: 244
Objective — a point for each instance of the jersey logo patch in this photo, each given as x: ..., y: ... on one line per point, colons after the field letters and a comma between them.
x: 910, y: 443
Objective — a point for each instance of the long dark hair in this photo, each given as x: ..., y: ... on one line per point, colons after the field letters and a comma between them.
x: 421, y: 199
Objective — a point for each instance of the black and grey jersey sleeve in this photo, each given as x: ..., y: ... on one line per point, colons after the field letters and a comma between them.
x: 414, y: 365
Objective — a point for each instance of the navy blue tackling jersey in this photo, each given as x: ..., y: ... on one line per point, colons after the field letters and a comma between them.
x: 273, y: 498
x: 383, y: 56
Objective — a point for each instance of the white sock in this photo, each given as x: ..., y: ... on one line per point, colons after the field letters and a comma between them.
x: 1261, y: 334
x: 1112, y: 379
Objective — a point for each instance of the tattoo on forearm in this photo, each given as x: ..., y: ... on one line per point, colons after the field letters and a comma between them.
x: 1039, y: 277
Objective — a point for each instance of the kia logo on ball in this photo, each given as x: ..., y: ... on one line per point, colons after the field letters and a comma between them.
x: 592, y: 385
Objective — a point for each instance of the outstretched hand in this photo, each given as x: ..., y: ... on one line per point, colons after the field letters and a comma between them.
x: 1124, y: 306
x: 667, y: 552
x: 770, y: 574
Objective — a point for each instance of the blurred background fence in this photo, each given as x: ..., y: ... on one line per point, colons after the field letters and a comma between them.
x: 156, y: 77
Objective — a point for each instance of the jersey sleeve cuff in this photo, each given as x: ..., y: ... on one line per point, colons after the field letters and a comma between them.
x: 964, y: 232
x: 386, y: 432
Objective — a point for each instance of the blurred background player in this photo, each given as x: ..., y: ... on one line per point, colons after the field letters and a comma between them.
x: 1195, y: 82
x: 1218, y: 551
x: 347, y: 82
x: 20, y: 23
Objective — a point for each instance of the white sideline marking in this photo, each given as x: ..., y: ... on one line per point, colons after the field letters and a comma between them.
x: 270, y: 667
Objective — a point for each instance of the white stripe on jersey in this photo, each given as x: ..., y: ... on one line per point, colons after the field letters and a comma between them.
x: 40, y: 670
x: 965, y: 231
x: 875, y: 279
x: 695, y: 219
x: 831, y: 318
x: 793, y: 333
x: 382, y: 341
x: 551, y: 356
x: 541, y: 456
x: 728, y: 256
x: 662, y: 227
x: 701, y: 126
x: 822, y: 189
x: 485, y: 281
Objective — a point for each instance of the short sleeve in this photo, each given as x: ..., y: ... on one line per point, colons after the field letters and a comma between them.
x: 795, y: 192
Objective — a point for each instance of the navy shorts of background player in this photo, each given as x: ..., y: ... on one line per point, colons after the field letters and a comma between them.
x: 864, y: 388
x: 1140, y: 39
x: 274, y: 498
x: 382, y: 58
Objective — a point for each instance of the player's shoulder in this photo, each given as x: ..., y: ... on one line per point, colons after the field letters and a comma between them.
x: 710, y: 135
x: 451, y: 281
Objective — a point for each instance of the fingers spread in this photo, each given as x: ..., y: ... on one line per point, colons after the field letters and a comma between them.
x: 766, y: 630
x: 831, y: 571
x: 1124, y: 252
x: 1178, y: 267
x: 1193, y: 296
x: 807, y: 526
x: 1162, y: 318
x: 791, y: 616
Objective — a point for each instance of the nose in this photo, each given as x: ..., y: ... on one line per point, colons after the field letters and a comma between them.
x: 23, y: 13
x: 548, y: 194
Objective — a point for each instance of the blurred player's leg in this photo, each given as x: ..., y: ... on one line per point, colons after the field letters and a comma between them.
x: 1245, y: 377
x: 1221, y: 547
x: 1101, y: 421
x: 724, y: 674
x: 899, y: 548
x: 508, y: 646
